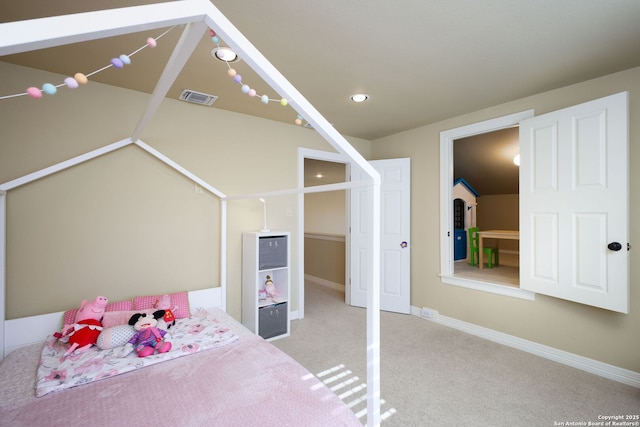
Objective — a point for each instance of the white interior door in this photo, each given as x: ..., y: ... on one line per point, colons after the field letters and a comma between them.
x: 395, y: 257
x: 574, y: 221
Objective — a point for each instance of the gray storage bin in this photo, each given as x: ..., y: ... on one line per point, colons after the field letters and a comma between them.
x: 272, y: 252
x: 273, y: 320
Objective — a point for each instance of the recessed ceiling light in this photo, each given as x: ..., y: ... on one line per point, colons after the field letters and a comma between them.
x: 225, y: 54
x: 359, y: 97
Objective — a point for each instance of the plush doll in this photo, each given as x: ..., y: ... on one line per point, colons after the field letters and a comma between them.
x: 148, y: 337
x: 165, y: 304
x: 270, y: 288
x: 83, y: 333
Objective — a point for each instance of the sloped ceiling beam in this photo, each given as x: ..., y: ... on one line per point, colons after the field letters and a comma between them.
x: 24, y: 36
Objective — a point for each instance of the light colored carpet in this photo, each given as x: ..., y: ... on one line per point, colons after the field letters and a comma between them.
x: 432, y: 375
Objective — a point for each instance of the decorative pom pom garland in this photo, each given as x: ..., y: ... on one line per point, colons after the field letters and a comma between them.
x: 119, y: 63
x: 245, y: 88
x: 82, y: 79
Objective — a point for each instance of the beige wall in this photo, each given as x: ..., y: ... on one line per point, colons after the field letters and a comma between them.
x: 126, y: 224
x: 594, y: 333
x: 324, y: 258
x: 325, y: 213
x: 499, y: 212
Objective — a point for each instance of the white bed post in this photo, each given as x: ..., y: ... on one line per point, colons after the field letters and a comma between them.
x: 223, y: 253
x: 373, y: 314
x: 3, y: 260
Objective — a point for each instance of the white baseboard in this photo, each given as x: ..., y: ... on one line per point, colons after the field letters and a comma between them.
x: 592, y: 366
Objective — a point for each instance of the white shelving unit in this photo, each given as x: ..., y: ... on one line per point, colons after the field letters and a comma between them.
x: 265, y: 257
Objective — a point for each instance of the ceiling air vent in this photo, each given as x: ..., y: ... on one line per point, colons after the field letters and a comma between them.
x: 197, y: 97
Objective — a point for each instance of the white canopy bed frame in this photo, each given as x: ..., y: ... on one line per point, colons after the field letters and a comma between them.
x: 197, y: 16
x: 29, y: 330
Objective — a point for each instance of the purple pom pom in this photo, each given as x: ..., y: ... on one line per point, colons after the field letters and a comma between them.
x: 116, y: 62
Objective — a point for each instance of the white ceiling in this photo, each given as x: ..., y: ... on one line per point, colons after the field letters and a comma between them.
x: 421, y: 61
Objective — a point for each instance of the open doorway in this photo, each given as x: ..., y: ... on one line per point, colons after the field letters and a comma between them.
x: 325, y: 226
x: 486, y: 196
x: 395, y: 242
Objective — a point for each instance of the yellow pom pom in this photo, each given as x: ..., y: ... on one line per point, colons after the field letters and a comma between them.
x: 284, y: 102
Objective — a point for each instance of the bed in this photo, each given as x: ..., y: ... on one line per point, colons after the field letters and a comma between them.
x: 269, y: 388
x: 227, y: 377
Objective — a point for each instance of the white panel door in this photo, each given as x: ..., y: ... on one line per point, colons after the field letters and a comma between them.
x: 395, y: 257
x: 574, y: 220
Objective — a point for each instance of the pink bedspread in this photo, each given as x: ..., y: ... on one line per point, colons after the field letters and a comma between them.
x: 248, y: 383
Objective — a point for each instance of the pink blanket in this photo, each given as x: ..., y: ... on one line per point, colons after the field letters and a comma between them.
x: 248, y: 383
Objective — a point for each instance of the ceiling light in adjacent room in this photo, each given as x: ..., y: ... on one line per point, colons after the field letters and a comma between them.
x: 224, y: 54
x: 359, y: 97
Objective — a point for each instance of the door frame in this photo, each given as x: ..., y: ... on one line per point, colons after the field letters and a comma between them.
x: 447, y: 139
x: 309, y: 153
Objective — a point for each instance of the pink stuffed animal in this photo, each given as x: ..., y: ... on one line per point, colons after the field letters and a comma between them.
x: 83, y: 333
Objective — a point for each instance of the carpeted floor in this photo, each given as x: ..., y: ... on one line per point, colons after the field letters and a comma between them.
x: 432, y: 375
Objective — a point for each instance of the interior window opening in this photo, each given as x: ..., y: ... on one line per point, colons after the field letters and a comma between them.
x: 469, y: 156
x: 485, y: 206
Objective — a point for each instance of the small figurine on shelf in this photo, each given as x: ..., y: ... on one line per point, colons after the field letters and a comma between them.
x: 270, y: 288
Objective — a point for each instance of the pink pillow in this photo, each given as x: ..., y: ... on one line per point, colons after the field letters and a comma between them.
x: 116, y: 318
x: 179, y: 304
x: 70, y: 315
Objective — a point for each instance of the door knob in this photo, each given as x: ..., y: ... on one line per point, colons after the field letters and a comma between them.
x: 614, y: 246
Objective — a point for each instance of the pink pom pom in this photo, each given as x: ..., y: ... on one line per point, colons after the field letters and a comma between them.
x: 151, y: 42
x: 34, y: 92
x: 211, y: 32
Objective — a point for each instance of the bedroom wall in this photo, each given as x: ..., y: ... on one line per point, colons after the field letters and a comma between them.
x: 324, y: 260
x: 594, y: 333
x: 126, y: 224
